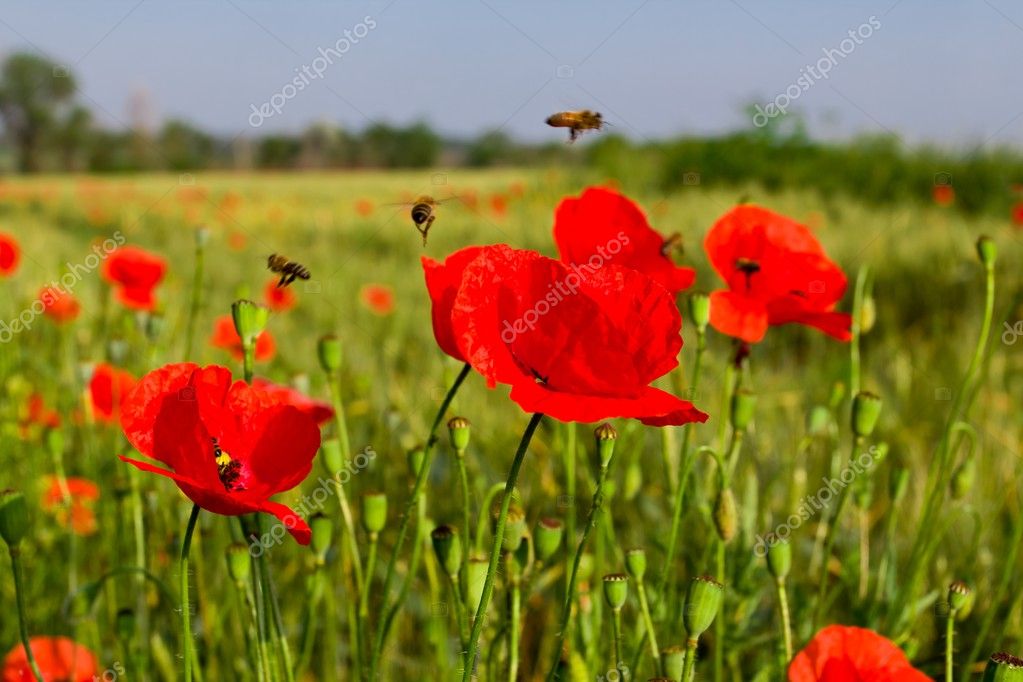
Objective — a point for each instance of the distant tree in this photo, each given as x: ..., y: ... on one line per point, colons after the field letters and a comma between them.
x: 278, y: 151
x: 32, y: 91
x: 184, y: 147
x: 73, y: 137
x: 489, y: 149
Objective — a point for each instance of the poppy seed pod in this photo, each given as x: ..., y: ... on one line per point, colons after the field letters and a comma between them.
x: 779, y: 557
x: 673, y: 661
x: 987, y: 251
x: 330, y: 451
x: 322, y: 529
x: 238, y: 562
x: 329, y: 350
x: 958, y: 595
x: 699, y: 312
x: 374, y: 511
x: 616, y: 590
x: 725, y: 515
x: 744, y: 403
x: 416, y: 456
x: 547, y: 537
x: 635, y: 563
x: 458, y: 428
x: 515, y: 528
x: 865, y: 412
x: 249, y: 320
x: 606, y: 436
x: 448, y: 548
x: 13, y: 517
x: 1004, y: 667
x: 703, y: 601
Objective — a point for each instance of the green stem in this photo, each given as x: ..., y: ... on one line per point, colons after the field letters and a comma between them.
x: 949, y: 635
x: 648, y: 623
x: 616, y: 640
x: 690, y: 663
x: 570, y: 480
x: 346, y: 510
x: 19, y: 594
x: 854, y: 344
x: 460, y: 615
x: 513, y: 636
x: 786, y: 622
x: 719, y: 621
x: 495, y: 551
x: 829, y: 538
x: 463, y: 477
x: 186, y: 613
x: 196, y: 299
x: 483, y: 518
x: 371, y: 561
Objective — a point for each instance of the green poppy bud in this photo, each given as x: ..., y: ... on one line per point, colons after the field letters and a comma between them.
x: 330, y: 451
x: 547, y: 536
x: 987, y: 251
x: 616, y: 590
x: 249, y: 320
x: 13, y: 517
x: 322, y: 529
x: 458, y: 428
x: 1004, y: 667
x: 703, y: 601
x: 673, y: 660
x: 962, y: 478
x: 238, y: 562
x: 329, y: 350
x: 819, y: 422
x: 865, y: 412
x: 779, y: 557
x: 699, y: 311
x: 725, y: 515
x: 635, y: 563
x: 606, y: 436
x: 477, y: 575
x: 447, y: 545
x: 744, y: 403
x: 374, y: 512
x: 958, y: 595
x: 416, y: 456
x: 514, y: 528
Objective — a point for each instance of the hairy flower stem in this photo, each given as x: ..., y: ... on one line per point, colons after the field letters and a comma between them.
x: 570, y: 596
x: 463, y: 477
x: 341, y: 425
x: 786, y: 622
x: 690, y: 663
x: 648, y: 624
x: 719, y: 622
x: 514, y: 625
x: 616, y: 640
x: 19, y: 595
x: 569, y: 458
x: 829, y: 538
x: 949, y: 636
x: 403, y: 525
x: 186, y: 612
x: 495, y: 551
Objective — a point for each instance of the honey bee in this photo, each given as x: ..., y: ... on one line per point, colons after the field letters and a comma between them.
x: 228, y: 469
x: 287, y: 269
x: 424, y: 212
x: 576, y: 122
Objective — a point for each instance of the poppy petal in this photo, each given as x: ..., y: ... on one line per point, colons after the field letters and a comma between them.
x: 442, y: 282
x: 738, y: 316
x: 295, y: 524
x: 651, y: 406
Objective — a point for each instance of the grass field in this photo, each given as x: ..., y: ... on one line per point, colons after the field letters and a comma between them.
x: 928, y: 290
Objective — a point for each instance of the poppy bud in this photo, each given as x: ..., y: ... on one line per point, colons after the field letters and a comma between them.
x: 987, y: 251
x: 238, y: 564
x: 725, y: 515
x: 477, y: 575
x: 958, y: 595
x: 703, y: 600
x: 1004, y: 667
x: 458, y: 428
x: 322, y: 529
x: 635, y: 563
x: 448, y: 548
x: 125, y: 624
x: 898, y: 481
x: 13, y: 517
x: 249, y: 320
x: 330, y: 451
x: 819, y: 422
x: 743, y: 404
x: 416, y: 456
x: 865, y: 412
x: 329, y: 350
x: 779, y: 557
x: 673, y: 660
x: 514, y: 527
x: 616, y: 590
x: 868, y: 314
x: 962, y: 478
x: 374, y: 512
x: 699, y: 311
x: 606, y: 436
x: 547, y: 537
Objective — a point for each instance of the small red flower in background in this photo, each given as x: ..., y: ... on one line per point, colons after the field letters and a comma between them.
x: 320, y: 412
x: 776, y: 273
x: 10, y: 254
x: 1017, y: 214
x: 586, y: 353
x: 108, y: 388
x: 378, y: 298
x: 517, y: 189
x: 229, y: 446
x: 364, y: 207
x: 602, y: 226
x: 278, y: 298
x: 847, y: 654
x: 442, y: 283
x: 82, y: 494
x: 36, y: 414
x: 944, y: 195
x: 499, y: 205
x: 226, y: 336
x: 236, y: 240
x: 59, y: 660
x: 135, y: 272
x: 59, y: 306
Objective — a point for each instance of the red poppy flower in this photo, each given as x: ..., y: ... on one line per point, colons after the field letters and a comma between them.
x: 59, y: 660
x: 10, y: 254
x: 108, y: 389
x: 1017, y: 215
x: 499, y: 205
x: 364, y: 207
x: 135, y: 272
x: 229, y: 446
x: 442, y: 282
x: 82, y: 494
x: 847, y: 654
x: 576, y: 345
x: 59, y: 306
x: 321, y: 412
x: 226, y: 336
x: 776, y: 273
x: 378, y: 298
x: 36, y: 414
x: 944, y: 195
x: 602, y: 226
x: 278, y: 298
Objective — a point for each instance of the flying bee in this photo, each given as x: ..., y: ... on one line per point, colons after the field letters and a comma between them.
x: 424, y: 212
x: 287, y: 269
x: 228, y: 469
x: 576, y: 122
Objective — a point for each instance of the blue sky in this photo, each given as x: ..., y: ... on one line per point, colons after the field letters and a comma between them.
x: 941, y: 71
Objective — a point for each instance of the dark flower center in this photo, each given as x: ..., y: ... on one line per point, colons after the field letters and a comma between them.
x: 748, y: 267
